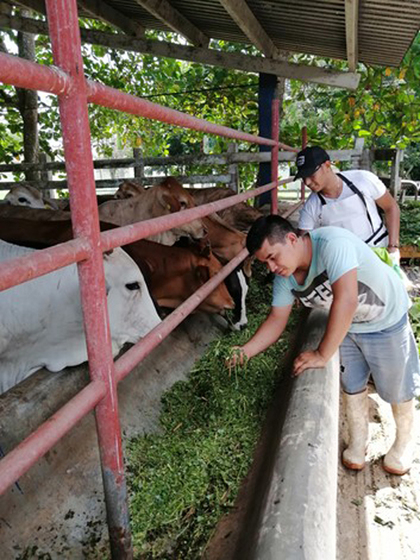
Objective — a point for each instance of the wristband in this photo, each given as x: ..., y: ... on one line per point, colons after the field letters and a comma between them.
x: 393, y: 246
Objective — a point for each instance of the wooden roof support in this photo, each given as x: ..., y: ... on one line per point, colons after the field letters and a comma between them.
x: 352, y: 31
x: 98, y: 9
x: 36, y: 5
x: 102, y: 10
x: 162, y: 10
x: 235, y: 61
x: 248, y: 23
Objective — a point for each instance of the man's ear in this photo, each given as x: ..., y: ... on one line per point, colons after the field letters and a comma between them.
x: 292, y: 237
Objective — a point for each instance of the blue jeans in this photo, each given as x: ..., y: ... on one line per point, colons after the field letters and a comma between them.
x: 391, y: 356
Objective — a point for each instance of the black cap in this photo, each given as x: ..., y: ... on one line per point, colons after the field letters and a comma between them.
x: 309, y: 159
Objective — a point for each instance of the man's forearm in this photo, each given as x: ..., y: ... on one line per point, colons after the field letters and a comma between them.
x: 392, y: 219
x: 267, y: 334
x: 339, y: 322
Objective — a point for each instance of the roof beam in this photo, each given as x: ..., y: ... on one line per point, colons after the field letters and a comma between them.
x: 36, y: 5
x: 171, y: 17
x: 236, y: 61
x: 352, y: 32
x: 101, y: 10
x: 251, y: 27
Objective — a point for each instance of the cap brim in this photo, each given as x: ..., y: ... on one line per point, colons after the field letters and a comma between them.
x: 303, y: 173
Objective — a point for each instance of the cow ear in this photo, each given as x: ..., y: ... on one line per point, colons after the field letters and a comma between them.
x: 247, y: 266
x: 168, y: 201
x: 203, y: 273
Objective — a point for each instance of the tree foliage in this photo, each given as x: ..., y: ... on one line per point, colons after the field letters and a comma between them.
x: 385, y: 109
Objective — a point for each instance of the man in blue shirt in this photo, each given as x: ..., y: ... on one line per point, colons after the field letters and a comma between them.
x: 333, y: 269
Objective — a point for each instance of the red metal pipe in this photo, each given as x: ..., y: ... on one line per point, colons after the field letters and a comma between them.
x: 19, y: 270
x: 18, y: 461
x: 132, y: 357
x: 29, y: 451
x: 304, y: 144
x: 114, y: 99
x: 30, y: 75
x: 66, y: 48
x: 275, y: 109
x: 127, y: 234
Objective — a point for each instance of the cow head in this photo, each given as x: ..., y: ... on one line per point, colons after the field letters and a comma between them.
x: 29, y: 196
x: 25, y: 195
x: 218, y: 300
x: 130, y: 307
x: 128, y: 189
x: 174, y: 199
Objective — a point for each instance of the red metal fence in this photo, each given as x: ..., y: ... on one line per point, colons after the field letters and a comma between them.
x: 68, y: 82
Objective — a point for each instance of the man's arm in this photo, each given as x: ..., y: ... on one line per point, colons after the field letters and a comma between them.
x: 267, y: 334
x: 339, y: 320
x: 392, y: 219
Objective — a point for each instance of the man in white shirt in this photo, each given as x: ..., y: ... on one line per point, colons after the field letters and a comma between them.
x: 349, y: 199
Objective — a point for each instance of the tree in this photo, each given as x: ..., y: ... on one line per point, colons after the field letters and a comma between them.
x: 384, y: 110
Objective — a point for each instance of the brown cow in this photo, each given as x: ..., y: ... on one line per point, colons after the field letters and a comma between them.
x: 153, y: 202
x: 225, y: 241
x: 172, y: 273
x: 128, y: 189
x: 240, y: 216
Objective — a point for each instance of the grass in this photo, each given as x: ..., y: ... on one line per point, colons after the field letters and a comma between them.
x: 185, y: 478
x: 410, y: 224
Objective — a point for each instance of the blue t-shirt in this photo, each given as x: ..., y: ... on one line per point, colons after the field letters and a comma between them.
x: 383, y: 299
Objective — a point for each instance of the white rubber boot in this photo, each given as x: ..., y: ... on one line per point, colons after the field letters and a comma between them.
x: 357, y: 408
x: 399, y: 458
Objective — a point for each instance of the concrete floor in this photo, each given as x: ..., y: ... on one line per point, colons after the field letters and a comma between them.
x: 378, y: 514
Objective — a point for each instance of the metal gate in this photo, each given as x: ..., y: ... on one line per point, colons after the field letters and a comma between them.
x: 66, y: 80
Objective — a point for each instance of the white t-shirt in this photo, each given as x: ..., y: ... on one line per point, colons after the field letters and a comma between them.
x: 368, y: 184
x: 382, y: 298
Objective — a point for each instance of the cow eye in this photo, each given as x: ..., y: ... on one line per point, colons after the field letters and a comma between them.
x: 23, y: 200
x: 133, y: 286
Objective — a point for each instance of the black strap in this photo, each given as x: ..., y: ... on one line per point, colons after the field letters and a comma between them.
x: 356, y: 191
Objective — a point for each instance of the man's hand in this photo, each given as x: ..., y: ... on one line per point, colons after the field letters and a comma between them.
x: 237, y: 358
x: 394, y: 255
x: 308, y: 360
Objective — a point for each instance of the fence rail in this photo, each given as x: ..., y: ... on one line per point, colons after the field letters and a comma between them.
x: 74, y: 92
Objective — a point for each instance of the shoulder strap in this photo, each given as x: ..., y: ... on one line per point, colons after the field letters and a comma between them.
x: 353, y: 187
x: 322, y: 199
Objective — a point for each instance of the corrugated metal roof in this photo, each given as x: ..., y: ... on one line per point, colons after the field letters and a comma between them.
x: 386, y: 27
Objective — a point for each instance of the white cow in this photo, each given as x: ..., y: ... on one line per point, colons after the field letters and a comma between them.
x: 41, y: 320
x: 27, y: 195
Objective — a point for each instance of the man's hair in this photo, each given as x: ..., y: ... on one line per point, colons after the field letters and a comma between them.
x: 273, y: 228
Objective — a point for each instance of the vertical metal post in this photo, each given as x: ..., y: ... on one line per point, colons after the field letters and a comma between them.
x: 275, y: 120
x: 304, y: 144
x: 267, y: 85
x: 66, y: 47
x: 138, y: 164
x: 233, y: 168
x: 46, y: 175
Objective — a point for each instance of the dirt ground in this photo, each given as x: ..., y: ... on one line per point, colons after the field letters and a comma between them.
x: 378, y: 514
